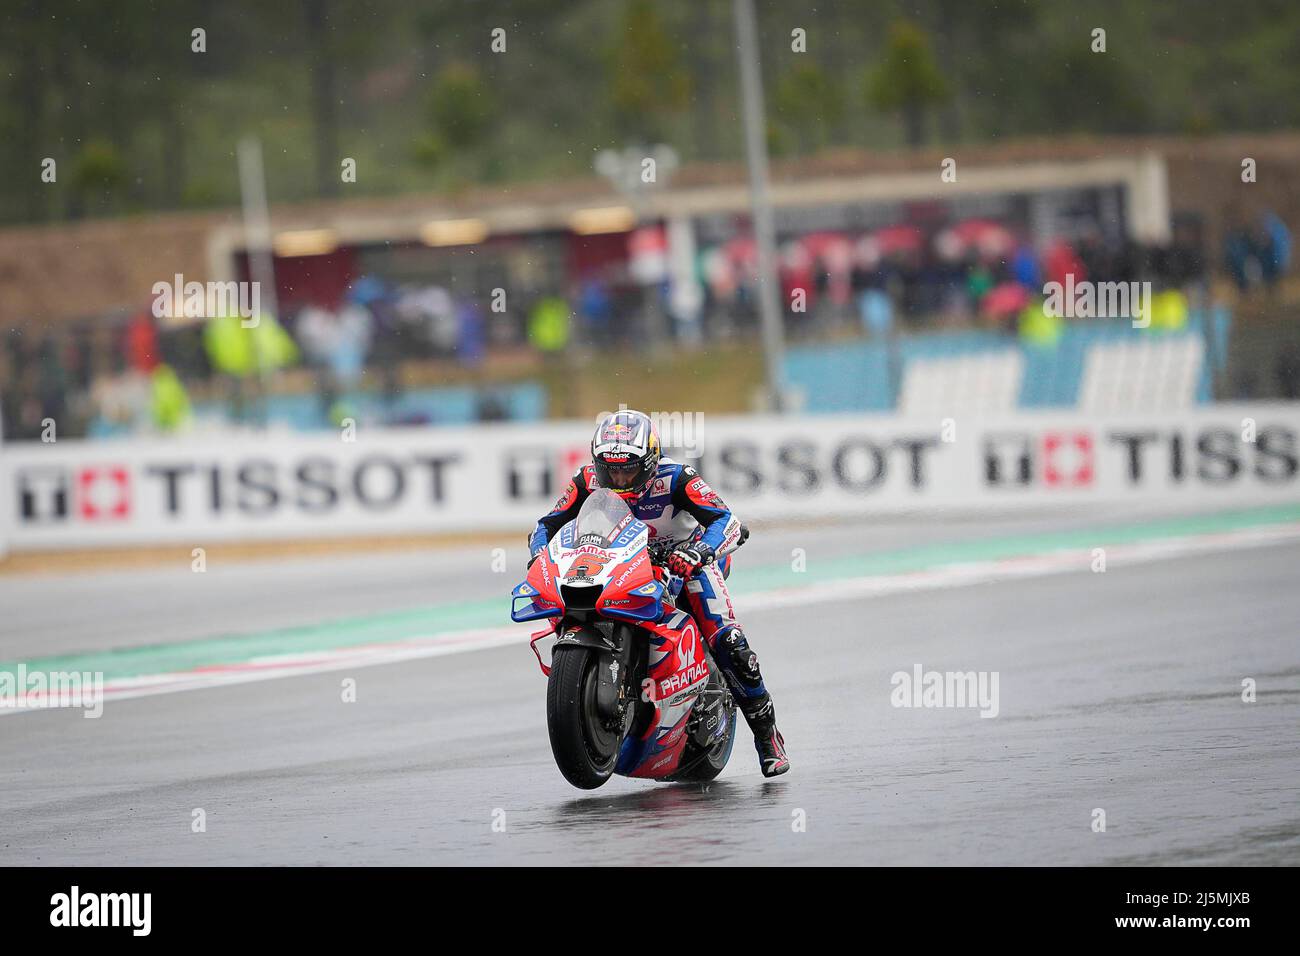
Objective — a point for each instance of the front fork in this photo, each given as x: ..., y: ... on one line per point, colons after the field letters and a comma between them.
x: 617, y: 686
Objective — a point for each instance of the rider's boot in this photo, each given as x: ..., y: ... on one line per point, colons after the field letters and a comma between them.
x: 740, y: 666
x: 768, y: 741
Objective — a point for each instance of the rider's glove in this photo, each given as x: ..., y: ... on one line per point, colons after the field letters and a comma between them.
x: 686, y: 559
x: 534, y: 557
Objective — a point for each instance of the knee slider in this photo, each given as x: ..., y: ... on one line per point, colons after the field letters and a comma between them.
x: 743, y: 660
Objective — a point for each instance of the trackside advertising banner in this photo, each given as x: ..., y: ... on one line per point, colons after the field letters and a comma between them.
x: 395, y: 481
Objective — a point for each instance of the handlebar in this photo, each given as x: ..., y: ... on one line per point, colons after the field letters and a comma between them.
x: 660, y: 548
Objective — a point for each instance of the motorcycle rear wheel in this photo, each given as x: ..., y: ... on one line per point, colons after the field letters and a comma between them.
x: 701, y: 764
x: 584, y: 749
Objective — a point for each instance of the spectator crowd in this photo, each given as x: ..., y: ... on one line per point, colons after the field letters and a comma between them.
x: 132, y: 373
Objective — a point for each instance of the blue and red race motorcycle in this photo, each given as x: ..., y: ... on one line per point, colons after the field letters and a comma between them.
x: 632, y: 688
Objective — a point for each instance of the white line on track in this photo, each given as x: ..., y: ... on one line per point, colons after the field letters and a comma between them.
x: 964, y: 574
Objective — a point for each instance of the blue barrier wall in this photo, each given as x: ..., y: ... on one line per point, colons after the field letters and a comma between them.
x: 846, y: 377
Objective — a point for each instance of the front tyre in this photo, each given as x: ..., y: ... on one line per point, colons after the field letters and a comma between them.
x: 585, y: 748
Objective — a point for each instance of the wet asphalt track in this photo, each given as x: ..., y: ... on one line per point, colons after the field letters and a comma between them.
x: 1118, y: 691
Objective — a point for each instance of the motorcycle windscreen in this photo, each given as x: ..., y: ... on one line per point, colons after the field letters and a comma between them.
x: 605, y: 521
x: 631, y: 592
x: 602, y: 519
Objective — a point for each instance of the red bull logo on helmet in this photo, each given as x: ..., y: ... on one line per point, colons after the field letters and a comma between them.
x: 618, y: 432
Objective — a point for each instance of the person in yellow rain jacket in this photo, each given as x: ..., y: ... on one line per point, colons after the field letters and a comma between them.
x: 169, y: 402
x: 548, y: 325
x: 1169, y: 310
x: 1038, y: 327
x: 246, y: 353
x: 241, y: 352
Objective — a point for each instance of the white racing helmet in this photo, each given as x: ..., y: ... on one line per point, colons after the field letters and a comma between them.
x: 625, y: 452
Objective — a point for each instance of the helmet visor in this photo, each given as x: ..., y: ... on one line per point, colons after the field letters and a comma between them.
x: 621, y: 476
x: 624, y: 476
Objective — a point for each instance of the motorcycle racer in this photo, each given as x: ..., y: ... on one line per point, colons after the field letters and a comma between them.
x: 677, y: 504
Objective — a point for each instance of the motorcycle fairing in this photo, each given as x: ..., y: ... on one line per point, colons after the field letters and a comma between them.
x: 537, y: 636
x: 618, y: 566
x: 632, y: 593
x: 540, y: 589
x: 679, y: 670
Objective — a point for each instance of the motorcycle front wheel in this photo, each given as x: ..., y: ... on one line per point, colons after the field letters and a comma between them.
x: 585, y: 749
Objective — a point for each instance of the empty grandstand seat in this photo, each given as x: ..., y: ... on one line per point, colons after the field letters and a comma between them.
x: 983, y: 382
x: 1148, y: 373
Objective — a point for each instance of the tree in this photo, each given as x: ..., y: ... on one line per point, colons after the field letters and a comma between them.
x: 324, y: 95
x: 339, y: 36
x: 647, y: 80
x: 98, y: 176
x: 907, y: 80
x: 461, y: 114
x: 809, y: 104
x: 1102, y: 93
